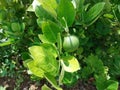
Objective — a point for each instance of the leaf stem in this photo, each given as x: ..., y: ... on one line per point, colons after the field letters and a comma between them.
x: 61, y: 76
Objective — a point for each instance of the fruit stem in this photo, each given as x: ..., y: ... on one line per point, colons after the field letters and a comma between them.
x: 66, y: 26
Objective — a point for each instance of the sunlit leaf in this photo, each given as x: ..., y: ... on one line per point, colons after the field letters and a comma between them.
x: 70, y: 64
x: 44, y: 59
x: 45, y: 87
x: 49, y: 6
x: 35, y: 69
x: 66, y: 9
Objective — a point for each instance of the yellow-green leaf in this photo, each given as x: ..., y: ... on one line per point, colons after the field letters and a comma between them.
x: 70, y: 64
x: 45, y: 87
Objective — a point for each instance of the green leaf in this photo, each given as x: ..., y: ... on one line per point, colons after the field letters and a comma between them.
x: 3, y: 15
x: 45, y: 87
x: 50, y: 6
x: 8, y: 42
x: 52, y: 81
x: 86, y: 72
x: 119, y: 8
x: 44, y: 59
x: 66, y: 9
x: 15, y: 26
x: 22, y: 27
x: 30, y: 9
x: 70, y: 64
x: 109, y: 16
x: 103, y: 84
x: 38, y: 53
x: 50, y: 31
x: 43, y: 38
x: 35, y: 69
x: 93, y: 62
x: 39, y: 22
x: 2, y: 88
x: 42, y: 13
x: 100, y: 82
x: 50, y: 48
x: 81, y: 9
x: 93, y: 12
x: 108, y: 5
x: 112, y: 85
x: 70, y: 79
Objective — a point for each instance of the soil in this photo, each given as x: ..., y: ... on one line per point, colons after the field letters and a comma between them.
x: 10, y: 84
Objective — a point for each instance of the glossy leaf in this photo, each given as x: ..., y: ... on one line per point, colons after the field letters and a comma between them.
x: 35, y: 69
x: 70, y: 64
x: 44, y: 59
x: 42, y: 13
x: 43, y: 38
x: 93, y: 12
x: 50, y: 48
x: 51, y: 28
x: 66, y: 9
x: 49, y: 6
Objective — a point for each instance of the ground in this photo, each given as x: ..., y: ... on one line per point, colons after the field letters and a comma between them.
x: 10, y: 83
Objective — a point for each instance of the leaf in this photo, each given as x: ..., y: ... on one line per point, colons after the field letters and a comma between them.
x: 81, y: 9
x: 51, y: 28
x: 22, y: 27
x: 93, y: 12
x: 34, y: 4
x: 52, y: 81
x: 86, y: 72
x: 42, y: 13
x: 103, y: 84
x: 30, y: 9
x: 100, y: 82
x: 66, y: 9
x: 70, y: 64
x: 49, y: 6
x: 39, y: 22
x: 43, y: 38
x: 70, y: 79
x: 38, y: 53
x: 8, y: 42
x: 95, y: 64
x: 2, y: 88
x: 44, y: 59
x: 109, y: 16
x: 45, y: 87
x: 50, y: 48
x: 35, y: 69
x: 112, y: 85
x: 119, y: 8
x: 15, y: 27
x: 108, y: 5
x: 3, y: 15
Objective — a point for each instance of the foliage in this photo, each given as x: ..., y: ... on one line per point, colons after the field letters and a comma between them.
x: 62, y: 40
